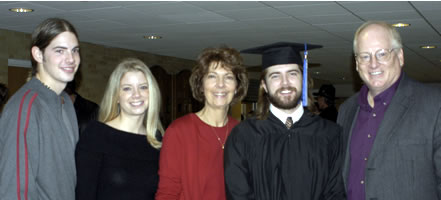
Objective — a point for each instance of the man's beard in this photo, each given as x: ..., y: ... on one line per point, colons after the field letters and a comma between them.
x: 279, y: 103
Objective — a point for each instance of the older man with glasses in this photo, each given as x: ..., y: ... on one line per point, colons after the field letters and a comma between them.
x: 392, y: 125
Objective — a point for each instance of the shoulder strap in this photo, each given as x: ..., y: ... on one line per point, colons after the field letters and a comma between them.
x: 25, y: 144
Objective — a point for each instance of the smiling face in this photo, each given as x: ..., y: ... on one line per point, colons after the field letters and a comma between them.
x: 283, y: 83
x: 378, y: 76
x: 133, y: 94
x: 59, y: 61
x: 219, y: 86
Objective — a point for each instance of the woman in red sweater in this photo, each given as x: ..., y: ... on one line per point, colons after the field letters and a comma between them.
x: 191, y: 158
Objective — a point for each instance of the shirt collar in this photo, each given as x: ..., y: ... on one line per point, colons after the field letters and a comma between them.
x: 282, y: 116
x: 385, y: 97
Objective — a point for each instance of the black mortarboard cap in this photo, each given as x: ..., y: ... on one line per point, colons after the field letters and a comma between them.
x: 326, y: 90
x: 281, y: 53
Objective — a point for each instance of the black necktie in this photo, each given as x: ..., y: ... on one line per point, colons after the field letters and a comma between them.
x: 288, y: 122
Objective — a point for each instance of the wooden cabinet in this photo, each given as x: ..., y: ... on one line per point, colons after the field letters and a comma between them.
x: 177, y: 98
x: 165, y: 86
x: 185, y: 103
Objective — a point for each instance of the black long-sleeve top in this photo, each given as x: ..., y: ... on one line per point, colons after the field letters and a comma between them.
x: 113, y: 164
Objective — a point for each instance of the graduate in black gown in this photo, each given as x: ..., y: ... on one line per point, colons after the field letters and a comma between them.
x: 326, y: 102
x: 268, y: 158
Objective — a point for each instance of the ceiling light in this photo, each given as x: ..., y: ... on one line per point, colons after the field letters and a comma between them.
x: 400, y: 25
x: 428, y: 47
x: 317, y: 73
x: 21, y: 10
x: 152, y: 37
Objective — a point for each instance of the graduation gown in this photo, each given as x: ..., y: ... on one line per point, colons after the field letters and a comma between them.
x: 266, y: 161
x: 329, y: 113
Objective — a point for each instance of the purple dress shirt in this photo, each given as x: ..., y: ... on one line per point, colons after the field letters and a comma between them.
x: 363, y: 136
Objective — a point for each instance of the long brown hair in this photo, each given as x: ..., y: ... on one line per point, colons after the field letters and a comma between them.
x: 263, y: 103
x: 45, y: 32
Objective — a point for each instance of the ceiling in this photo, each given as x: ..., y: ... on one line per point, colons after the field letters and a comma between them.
x: 190, y: 26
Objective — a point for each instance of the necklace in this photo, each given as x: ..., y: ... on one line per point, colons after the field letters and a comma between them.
x: 218, y: 138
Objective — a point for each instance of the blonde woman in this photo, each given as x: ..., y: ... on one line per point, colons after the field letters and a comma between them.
x: 191, y: 163
x: 117, y: 156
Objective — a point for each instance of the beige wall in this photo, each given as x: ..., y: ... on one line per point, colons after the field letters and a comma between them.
x: 97, y: 62
x: 12, y: 45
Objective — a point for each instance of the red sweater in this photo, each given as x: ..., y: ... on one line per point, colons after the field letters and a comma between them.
x: 191, y: 160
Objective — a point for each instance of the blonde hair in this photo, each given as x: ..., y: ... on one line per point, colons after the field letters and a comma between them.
x: 109, y: 108
x: 394, y: 35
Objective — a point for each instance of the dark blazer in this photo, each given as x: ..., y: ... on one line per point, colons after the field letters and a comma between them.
x: 329, y: 113
x: 405, y: 160
x: 86, y: 111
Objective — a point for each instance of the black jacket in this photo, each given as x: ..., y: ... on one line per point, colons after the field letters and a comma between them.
x: 329, y: 113
x: 86, y: 111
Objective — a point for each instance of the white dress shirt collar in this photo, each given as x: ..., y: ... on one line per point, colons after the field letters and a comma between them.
x: 282, y: 116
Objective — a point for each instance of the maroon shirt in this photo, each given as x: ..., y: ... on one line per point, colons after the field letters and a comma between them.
x: 363, y: 136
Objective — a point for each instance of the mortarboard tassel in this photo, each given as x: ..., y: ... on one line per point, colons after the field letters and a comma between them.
x: 305, y: 78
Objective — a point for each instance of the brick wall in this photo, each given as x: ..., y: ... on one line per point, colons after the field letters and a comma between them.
x: 97, y: 62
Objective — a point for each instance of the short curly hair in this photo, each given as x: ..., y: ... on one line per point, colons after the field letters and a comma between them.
x: 226, y: 57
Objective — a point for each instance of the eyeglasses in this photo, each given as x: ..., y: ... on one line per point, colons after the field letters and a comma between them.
x: 382, y: 55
